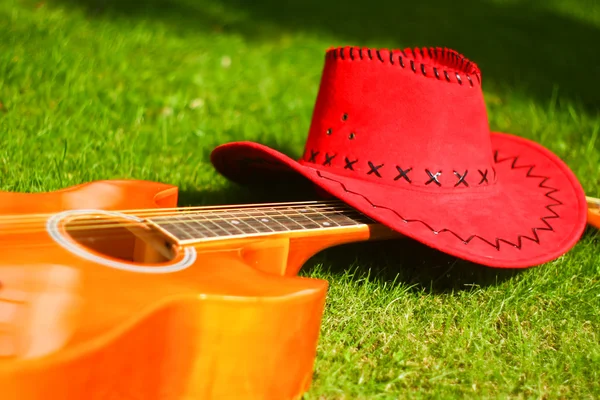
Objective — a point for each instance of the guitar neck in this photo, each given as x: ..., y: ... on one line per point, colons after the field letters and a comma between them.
x: 209, y: 224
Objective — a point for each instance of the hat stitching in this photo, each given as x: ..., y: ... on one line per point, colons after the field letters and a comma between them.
x: 458, y: 78
x: 496, y: 244
x: 483, y: 176
x: 456, y: 59
x: 403, y: 173
x: 433, y: 177
x: 374, y: 169
x: 328, y: 159
x: 461, y: 178
x: 349, y: 163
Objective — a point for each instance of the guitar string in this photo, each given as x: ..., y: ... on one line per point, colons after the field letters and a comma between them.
x: 150, y: 234
x: 279, y: 211
x: 354, y: 215
x: 127, y: 236
x: 144, y: 212
x: 110, y: 224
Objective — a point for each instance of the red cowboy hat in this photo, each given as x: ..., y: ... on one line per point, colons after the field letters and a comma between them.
x: 403, y: 137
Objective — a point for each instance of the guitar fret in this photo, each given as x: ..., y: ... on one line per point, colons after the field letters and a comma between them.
x: 227, y: 225
x: 259, y: 225
x: 250, y: 221
x: 327, y: 218
x: 319, y: 219
x: 338, y: 218
x: 175, y: 228
x: 209, y: 224
x: 242, y: 222
x: 198, y: 225
x: 274, y: 222
x: 188, y: 228
x: 289, y: 220
x: 302, y: 217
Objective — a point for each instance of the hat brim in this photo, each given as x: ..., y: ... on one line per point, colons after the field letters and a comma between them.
x: 534, y: 213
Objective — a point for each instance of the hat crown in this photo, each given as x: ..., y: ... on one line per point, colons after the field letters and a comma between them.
x: 402, y: 117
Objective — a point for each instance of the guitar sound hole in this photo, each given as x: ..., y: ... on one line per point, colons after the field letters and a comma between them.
x: 121, y: 239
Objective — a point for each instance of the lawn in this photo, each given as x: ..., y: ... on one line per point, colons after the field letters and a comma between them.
x: 104, y: 89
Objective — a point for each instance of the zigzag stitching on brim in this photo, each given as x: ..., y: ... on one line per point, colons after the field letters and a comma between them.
x: 496, y: 244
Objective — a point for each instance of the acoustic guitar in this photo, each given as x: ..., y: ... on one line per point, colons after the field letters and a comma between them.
x: 108, y: 290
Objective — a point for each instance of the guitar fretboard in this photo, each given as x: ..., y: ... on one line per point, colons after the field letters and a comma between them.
x: 194, y: 226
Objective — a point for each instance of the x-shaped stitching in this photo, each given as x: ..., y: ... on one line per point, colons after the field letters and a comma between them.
x: 433, y: 177
x: 461, y: 178
x: 313, y: 155
x: 328, y: 159
x: 374, y: 169
x: 349, y: 164
x: 483, y: 176
x: 403, y: 174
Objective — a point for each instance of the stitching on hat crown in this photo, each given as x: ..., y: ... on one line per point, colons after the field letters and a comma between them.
x: 398, y: 174
x: 438, y: 63
x: 403, y: 175
x: 387, y: 173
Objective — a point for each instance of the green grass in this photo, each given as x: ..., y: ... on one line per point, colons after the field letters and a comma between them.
x: 106, y: 89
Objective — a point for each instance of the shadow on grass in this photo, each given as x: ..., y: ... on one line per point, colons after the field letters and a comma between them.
x: 257, y: 192
x: 523, y: 44
x: 411, y: 263
x: 239, y: 195
x: 408, y: 262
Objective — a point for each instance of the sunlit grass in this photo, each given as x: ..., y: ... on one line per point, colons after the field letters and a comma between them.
x: 103, y: 90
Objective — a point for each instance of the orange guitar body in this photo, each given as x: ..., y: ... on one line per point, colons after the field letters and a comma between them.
x: 119, y: 313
